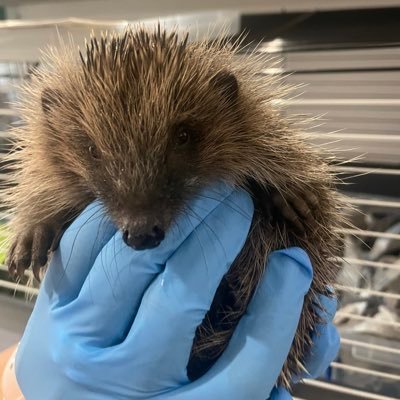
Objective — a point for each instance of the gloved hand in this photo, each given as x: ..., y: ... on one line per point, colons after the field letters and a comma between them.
x: 114, y: 323
x: 326, y: 343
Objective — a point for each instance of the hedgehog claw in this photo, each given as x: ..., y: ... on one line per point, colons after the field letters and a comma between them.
x: 30, y: 250
x: 36, y: 272
x: 295, y: 209
x: 12, y: 270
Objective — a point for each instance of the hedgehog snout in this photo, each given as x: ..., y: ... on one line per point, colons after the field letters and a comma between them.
x: 143, y: 233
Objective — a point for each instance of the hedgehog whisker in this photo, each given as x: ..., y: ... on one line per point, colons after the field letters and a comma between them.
x: 229, y: 203
x: 92, y: 217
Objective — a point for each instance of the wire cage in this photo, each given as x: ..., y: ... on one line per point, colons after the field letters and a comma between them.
x: 357, y: 91
x: 12, y: 74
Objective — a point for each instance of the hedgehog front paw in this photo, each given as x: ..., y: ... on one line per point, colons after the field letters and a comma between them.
x: 31, y: 249
x: 299, y: 210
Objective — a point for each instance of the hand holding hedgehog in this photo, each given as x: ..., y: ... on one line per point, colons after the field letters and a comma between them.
x: 114, y: 323
x: 144, y: 122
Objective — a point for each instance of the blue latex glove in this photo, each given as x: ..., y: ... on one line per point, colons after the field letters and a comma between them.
x: 114, y: 323
x: 326, y: 344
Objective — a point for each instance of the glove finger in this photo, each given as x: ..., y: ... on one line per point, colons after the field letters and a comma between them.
x: 265, y: 333
x: 326, y: 340
x: 113, y: 290
x: 280, y: 394
x: 176, y: 302
x: 328, y: 307
x: 79, y: 247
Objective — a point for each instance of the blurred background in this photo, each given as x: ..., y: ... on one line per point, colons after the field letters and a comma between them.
x: 347, y: 53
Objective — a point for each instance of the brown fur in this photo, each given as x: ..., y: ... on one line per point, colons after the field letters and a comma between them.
x: 125, y: 97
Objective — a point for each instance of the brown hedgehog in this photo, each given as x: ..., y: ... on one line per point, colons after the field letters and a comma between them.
x: 145, y: 120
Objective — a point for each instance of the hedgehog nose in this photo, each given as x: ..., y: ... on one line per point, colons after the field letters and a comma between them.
x: 143, y: 241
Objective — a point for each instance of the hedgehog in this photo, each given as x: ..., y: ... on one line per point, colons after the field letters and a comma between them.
x: 143, y: 120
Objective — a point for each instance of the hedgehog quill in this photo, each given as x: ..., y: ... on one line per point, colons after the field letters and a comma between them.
x: 143, y: 121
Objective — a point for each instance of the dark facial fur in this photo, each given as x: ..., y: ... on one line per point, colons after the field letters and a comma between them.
x: 143, y: 122
x: 141, y: 135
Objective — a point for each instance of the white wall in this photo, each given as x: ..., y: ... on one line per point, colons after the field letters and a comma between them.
x: 136, y: 9
x: 22, y: 40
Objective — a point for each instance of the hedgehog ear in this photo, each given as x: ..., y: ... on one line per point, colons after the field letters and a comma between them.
x: 50, y: 98
x: 227, y: 83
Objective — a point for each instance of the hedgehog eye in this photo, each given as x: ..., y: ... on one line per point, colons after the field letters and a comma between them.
x: 182, y: 136
x: 94, y: 152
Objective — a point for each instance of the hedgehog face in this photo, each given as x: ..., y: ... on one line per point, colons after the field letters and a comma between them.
x: 144, y: 163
